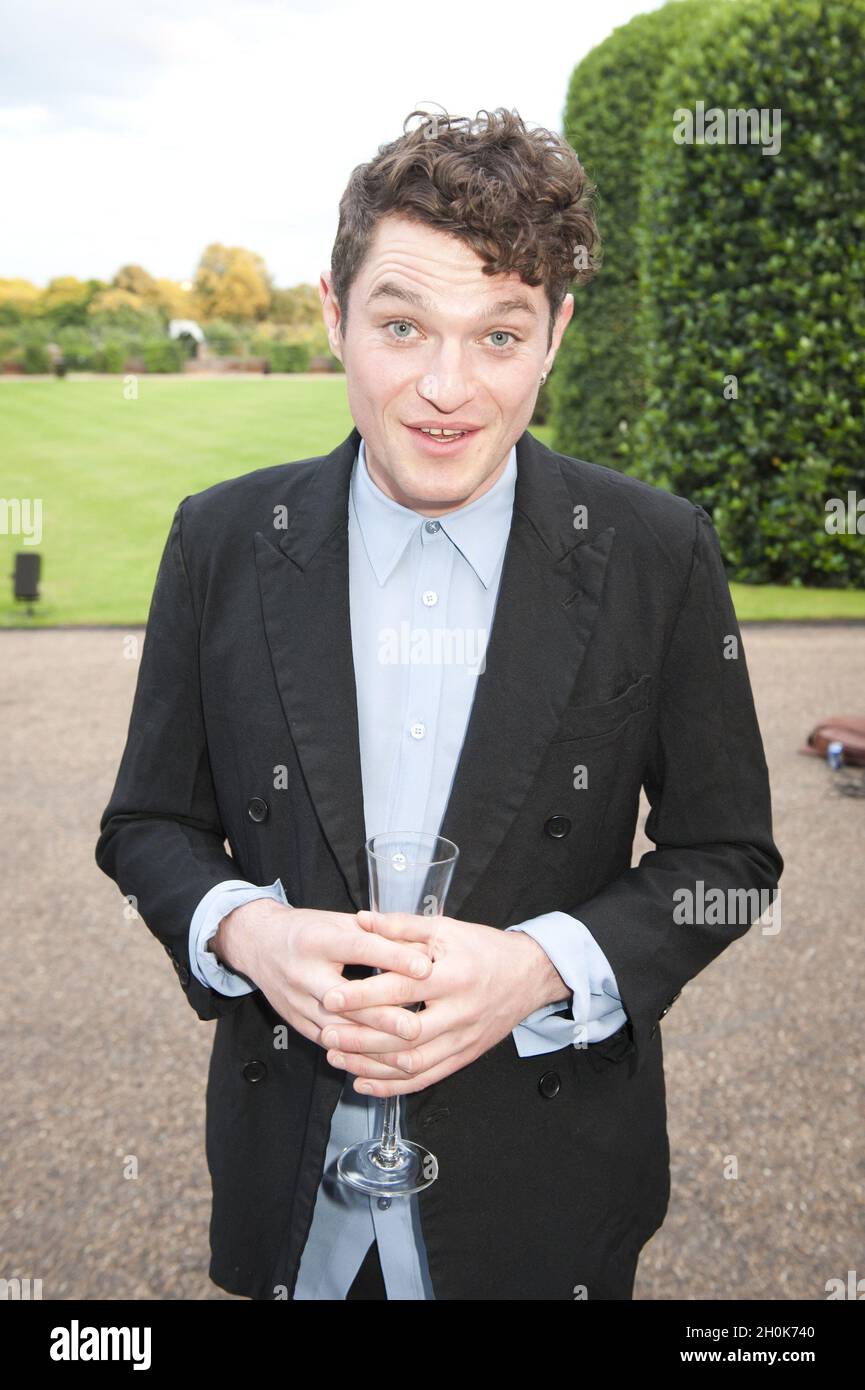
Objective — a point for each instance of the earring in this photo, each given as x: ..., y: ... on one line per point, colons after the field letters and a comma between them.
x: 543, y: 377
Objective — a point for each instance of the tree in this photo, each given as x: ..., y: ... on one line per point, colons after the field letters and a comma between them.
x: 299, y: 306
x: 136, y: 280
x: 114, y: 299
x: 177, y: 302
x: 232, y: 283
x: 20, y: 295
x: 66, y: 300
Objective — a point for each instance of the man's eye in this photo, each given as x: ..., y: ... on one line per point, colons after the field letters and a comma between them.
x: 399, y: 323
x: 502, y: 333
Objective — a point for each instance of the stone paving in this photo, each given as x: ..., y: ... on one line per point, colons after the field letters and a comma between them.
x: 107, y: 1063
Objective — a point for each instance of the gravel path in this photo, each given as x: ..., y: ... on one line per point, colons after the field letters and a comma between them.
x: 763, y: 1050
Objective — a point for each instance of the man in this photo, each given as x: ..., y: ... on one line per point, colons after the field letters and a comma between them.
x: 297, y: 695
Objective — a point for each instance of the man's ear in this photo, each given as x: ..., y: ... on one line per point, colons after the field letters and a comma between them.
x: 330, y: 313
x: 563, y: 318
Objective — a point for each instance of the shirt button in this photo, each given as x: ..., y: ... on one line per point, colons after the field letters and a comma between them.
x: 383, y: 1203
x: 431, y: 526
x: 430, y: 597
x: 418, y: 730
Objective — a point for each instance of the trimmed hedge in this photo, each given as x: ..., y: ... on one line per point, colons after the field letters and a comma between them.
x: 110, y: 357
x: 753, y: 267
x: 163, y: 355
x: 597, y: 384
x: 36, y: 359
x: 287, y: 357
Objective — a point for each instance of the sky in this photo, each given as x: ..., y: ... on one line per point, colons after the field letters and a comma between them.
x: 140, y: 134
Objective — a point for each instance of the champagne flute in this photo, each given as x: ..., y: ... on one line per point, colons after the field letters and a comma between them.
x: 409, y: 871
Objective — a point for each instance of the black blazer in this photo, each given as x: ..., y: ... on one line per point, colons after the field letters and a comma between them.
x: 606, y: 652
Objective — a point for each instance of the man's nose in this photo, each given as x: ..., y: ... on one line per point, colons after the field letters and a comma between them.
x: 446, y: 386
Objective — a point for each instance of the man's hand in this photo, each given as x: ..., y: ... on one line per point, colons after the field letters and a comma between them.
x: 483, y: 983
x: 295, y: 955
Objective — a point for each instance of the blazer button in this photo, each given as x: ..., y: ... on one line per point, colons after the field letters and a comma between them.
x: 550, y: 1084
x: 653, y: 1030
x: 254, y: 1071
x: 557, y: 826
x: 258, y: 809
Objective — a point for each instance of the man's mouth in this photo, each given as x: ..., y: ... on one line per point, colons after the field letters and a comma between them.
x: 440, y: 438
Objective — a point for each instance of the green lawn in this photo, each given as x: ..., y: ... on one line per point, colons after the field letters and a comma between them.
x: 111, y: 471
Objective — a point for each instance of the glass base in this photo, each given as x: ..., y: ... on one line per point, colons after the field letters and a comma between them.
x: 361, y: 1167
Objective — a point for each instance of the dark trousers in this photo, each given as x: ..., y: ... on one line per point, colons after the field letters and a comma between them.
x: 369, y: 1280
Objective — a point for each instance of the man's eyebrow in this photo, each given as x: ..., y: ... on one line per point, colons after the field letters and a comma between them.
x: 389, y: 289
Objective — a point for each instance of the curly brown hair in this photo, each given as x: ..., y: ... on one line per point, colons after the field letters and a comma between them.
x: 521, y: 199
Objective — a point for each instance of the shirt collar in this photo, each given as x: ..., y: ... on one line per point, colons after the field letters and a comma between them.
x: 479, y: 530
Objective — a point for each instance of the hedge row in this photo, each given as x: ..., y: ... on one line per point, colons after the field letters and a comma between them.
x: 725, y: 358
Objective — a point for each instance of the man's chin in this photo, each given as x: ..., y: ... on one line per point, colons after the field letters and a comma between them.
x: 435, y: 486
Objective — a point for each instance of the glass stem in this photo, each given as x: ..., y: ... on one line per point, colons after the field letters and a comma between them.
x: 388, y: 1142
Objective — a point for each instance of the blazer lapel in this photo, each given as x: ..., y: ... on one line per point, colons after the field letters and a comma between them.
x: 547, y: 605
x: 304, y: 583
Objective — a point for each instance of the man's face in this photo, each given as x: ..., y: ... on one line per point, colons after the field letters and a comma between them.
x: 467, y: 355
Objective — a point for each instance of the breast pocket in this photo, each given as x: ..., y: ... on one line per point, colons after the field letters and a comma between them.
x: 597, y: 720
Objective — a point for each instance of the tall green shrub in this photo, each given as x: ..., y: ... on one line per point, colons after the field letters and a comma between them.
x: 753, y: 279
x: 163, y: 355
x: 284, y: 357
x: 597, y: 388
x: 37, y: 359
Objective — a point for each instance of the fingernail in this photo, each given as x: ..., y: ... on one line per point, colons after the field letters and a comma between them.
x: 365, y: 1087
x: 337, y: 999
x: 403, y: 1062
x: 330, y: 1037
x: 419, y: 966
x: 337, y: 1060
x: 406, y: 1028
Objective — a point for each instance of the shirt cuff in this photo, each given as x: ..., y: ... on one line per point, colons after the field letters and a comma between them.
x: 595, y: 999
x: 216, y: 904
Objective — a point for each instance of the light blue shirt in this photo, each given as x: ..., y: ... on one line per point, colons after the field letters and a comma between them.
x: 422, y: 597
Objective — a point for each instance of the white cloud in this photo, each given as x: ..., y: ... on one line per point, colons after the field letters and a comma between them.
x: 143, y: 133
